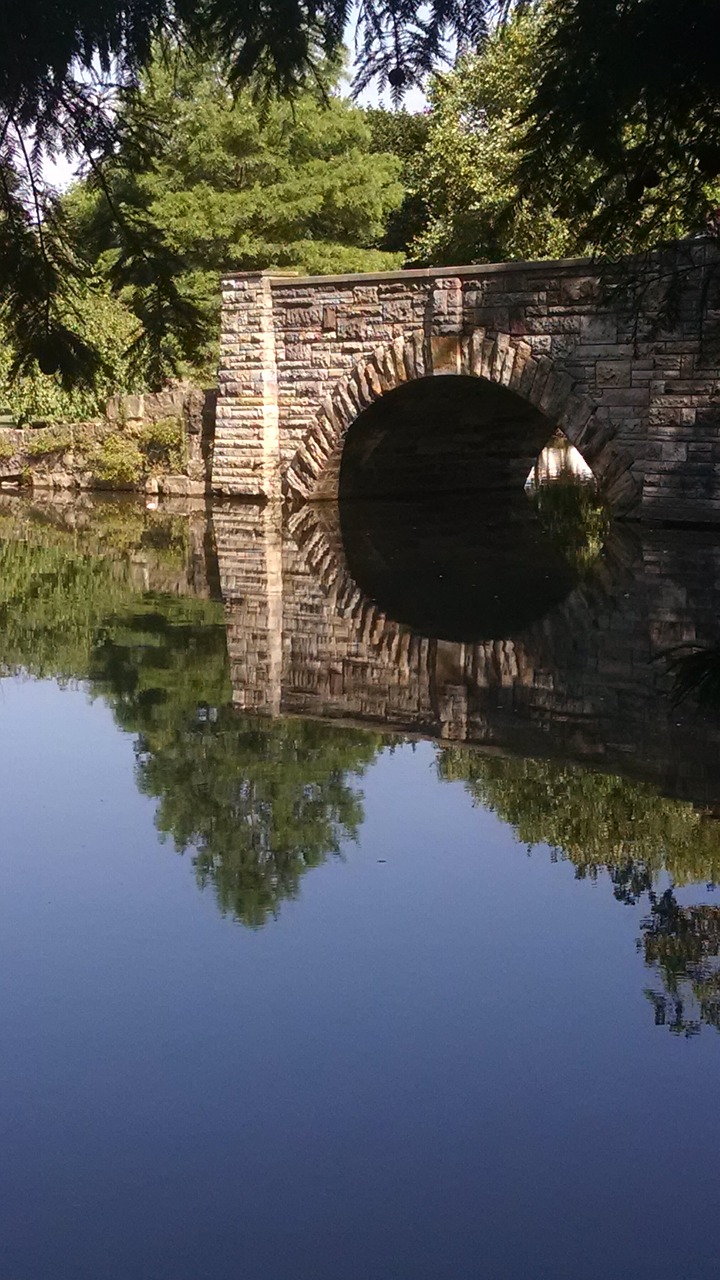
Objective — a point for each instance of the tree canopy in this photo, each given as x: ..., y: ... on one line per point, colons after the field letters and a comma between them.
x: 622, y: 127
x: 466, y: 175
x: 64, y: 71
x: 563, y: 135
x: 584, y: 125
x: 228, y: 184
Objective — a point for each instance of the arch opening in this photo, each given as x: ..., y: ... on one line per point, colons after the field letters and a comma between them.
x: 559, y: 463
x: 443, y: 435
x: 436, y: 521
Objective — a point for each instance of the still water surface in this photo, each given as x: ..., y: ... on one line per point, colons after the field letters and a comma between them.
x: 284, y: 996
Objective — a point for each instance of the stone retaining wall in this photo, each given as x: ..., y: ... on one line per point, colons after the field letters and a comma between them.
x: 70, y: 465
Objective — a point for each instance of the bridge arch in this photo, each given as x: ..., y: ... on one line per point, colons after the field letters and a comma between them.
x: 497, y: 358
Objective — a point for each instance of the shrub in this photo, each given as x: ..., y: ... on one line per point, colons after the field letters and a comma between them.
x: 7, y: 450
x: 117, y: 461
x: 50, y: 440
x: 163, y: 444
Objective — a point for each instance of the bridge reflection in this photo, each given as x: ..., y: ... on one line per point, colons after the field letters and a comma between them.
x: 327, y: 621
x: 463, y: 569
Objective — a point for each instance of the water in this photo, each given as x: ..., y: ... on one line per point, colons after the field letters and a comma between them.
x: 414, y: 977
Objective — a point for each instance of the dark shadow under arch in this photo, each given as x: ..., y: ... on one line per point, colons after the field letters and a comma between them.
x: 498, y: 359
x: 442, y: 435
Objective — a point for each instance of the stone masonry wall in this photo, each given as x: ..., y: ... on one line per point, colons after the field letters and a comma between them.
x: 301, y: 358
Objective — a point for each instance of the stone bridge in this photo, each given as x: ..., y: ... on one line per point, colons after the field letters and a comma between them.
x: 442, y: 380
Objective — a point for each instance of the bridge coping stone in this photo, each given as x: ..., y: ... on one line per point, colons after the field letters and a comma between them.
x: 544, y: 265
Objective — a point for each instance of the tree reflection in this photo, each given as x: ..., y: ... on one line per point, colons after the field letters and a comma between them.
x: 599, y: 822
x: 574, y: 515
x: 609, y: 825
x: 259, y: 802
x: 682, y: 946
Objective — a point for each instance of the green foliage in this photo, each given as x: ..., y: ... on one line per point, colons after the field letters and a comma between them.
x: 622, y: 127
x: 567, y: 133
x: 575, y: 516
x: 404, y: 134
x: 466, y: 175
x: 117, y: 461
x: 164, y: 445
x: 7, y: 450
x: 64, y: 70
x: 102, y: 319
x: 48, y: 441
x: 594, y: 819
x: 120, y: 459
x: 611, y: 110
x: 228, y: 185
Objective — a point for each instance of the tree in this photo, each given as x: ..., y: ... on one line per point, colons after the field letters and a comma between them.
x: 622, y: 127
x: 227, y: 184
x: 466, y: 175
x: 577, y: 127
x: 405, y: 135
x: 63, y: 72
x: 97, y: 315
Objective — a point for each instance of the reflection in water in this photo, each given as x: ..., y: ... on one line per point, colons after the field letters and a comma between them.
x: 463, y: 569
x: 122, y: 599
x: 598, y: 821
x: 695, y: 672
x: 576, y: 520
x: 682, y: 946
x: 609, y: 825
x: 260, y: 802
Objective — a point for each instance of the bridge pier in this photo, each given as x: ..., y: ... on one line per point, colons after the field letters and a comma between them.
x: 246, y: 457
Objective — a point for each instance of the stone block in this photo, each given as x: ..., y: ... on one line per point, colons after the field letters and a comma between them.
x: 579, y: 289
x: 613, y: 373
x: 598, y: 329
x: 518, y: 321
x: 476, y: 351
x: 673, y: 452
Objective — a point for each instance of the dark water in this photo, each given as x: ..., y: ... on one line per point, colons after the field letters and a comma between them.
x: 332, y: 947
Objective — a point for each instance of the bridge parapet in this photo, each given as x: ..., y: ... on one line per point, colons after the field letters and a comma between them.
x: 302, y: 358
